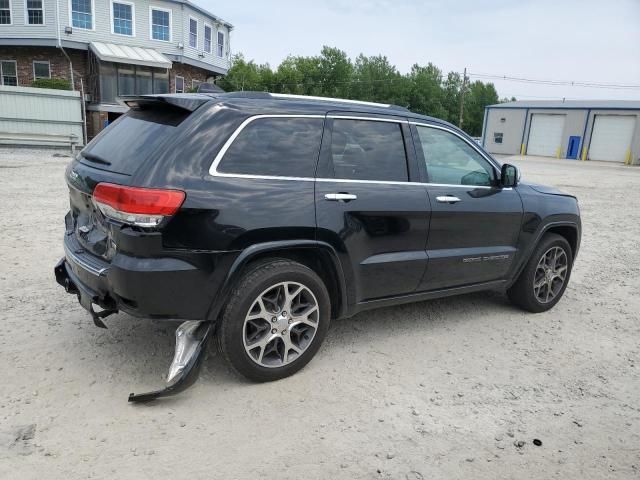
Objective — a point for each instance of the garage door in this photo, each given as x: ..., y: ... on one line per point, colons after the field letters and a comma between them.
x: 545, y: 134
x: 611, y: 139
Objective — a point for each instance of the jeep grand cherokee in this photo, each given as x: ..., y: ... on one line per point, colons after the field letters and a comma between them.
x: 261, y: 217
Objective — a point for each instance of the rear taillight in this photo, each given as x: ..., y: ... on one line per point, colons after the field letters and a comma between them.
x: 144, y: 207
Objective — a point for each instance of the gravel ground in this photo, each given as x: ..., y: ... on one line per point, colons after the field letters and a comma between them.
x: 456, y: 388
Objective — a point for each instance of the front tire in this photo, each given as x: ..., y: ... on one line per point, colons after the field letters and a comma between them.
x: 545, y: 277
x: 275, y: 320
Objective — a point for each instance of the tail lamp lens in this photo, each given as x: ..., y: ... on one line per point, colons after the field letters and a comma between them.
x: 144, y: 207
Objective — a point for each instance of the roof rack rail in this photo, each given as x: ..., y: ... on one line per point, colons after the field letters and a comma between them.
x: 267, y: 95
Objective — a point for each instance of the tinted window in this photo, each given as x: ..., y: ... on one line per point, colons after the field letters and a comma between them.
x: 368, y: 150
x: 286, y: 147
x: 451, y: 160
x: 123, y: 146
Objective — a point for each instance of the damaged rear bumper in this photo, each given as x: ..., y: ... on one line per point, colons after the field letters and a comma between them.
x: 161, y: 287
x: 191, y: 347
x: 191, y: 336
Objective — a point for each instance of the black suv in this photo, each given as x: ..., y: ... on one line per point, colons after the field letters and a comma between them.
x: 263, y: 216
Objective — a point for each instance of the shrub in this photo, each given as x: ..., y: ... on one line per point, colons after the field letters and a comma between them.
x: 55, y: 83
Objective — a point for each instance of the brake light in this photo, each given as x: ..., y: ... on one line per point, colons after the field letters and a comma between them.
x: 144, y: 207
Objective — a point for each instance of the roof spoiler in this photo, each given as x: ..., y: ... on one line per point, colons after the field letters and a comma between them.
x: 188, y: 102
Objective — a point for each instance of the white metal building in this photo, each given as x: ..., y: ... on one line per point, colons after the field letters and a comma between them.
x: 605, y: 130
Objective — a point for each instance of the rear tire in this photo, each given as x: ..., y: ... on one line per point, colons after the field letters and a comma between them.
x: 275, y: 320
x: 545, y: 277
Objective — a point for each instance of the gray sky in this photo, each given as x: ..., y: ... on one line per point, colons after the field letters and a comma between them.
x: 575, y: 40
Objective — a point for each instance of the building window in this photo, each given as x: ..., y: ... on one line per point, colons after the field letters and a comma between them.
x: 161, y: 25
x: 193, y: 33
x: 497, y: 137
x: 5, y: 12
x: 179, y: 84
x: 108, y: 83
x: 207, y: 38
x: 117, y: 80
x: 220, y: 44
x: 126, y: 80
x: 161, y: 81
x: 35, y: 12
x: 144, y: 81
x: 41, y: 70
x: 123, y: 18
x: 82, y: 14
x: 8, y: 73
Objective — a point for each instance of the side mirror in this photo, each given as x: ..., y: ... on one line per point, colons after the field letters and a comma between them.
x: 509, y: 175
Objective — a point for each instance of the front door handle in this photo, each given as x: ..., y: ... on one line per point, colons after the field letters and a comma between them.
x: 447, y: 199
x: 340, y: 197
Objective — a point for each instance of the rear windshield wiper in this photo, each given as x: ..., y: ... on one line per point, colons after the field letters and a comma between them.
x: 95, y: 158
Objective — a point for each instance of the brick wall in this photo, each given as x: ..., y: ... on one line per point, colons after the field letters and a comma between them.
x: 59, y: 65
x: 189, y: 73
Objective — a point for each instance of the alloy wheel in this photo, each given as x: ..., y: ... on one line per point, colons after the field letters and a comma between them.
x: 280, y: 324
x: 550, y: 275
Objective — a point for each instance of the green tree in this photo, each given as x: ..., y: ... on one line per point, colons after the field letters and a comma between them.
x: 333, y: 74
x: 451, y: 97
x: 376, y: 80
x: 478, y: 96
x: 425, y: 90
x: 243, y: 75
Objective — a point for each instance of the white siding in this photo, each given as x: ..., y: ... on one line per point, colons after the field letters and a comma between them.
x: 102, y: 18
x: 19, y: 27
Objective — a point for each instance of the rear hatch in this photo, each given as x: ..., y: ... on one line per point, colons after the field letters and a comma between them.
x: 114, y: 156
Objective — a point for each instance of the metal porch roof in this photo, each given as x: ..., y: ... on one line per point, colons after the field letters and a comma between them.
x: 111, y: 52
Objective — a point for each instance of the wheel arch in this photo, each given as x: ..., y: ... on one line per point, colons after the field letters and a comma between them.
x: 318, y: 256
x: 569, y: 230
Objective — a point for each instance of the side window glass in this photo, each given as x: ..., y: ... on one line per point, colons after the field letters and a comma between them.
x: 368, y: 150
x: 284, y: 147
x: 450, y: 160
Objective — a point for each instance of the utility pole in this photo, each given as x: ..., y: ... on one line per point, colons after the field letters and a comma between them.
x: 462, y: 91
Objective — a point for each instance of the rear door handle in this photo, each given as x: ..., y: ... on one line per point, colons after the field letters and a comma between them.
x: 447, y: 199
x: 340, y: 197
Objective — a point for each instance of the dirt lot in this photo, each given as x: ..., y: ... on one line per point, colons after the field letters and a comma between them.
x: 457, y: 388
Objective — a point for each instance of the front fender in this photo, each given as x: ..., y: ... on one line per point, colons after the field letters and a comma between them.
x: 533, y: 237
x: 543, y: 212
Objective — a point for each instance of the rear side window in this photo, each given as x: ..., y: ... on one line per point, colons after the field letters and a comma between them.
x: 368, y: 150
x: 283, y: 147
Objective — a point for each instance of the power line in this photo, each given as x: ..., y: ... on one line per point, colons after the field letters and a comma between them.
x: 485, y: 76
x: 569, y: 83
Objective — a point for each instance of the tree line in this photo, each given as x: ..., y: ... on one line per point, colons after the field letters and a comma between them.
x: 425, y: 89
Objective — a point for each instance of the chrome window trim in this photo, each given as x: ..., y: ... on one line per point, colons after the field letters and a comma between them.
x: 213, y: 170
x: 329, y: 99
x: 370, y: 119
x: 385, y: 182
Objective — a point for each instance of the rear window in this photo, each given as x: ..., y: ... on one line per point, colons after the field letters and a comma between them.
x: 284, y: 147
x: 368, y: 150
x: 123, y: 146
